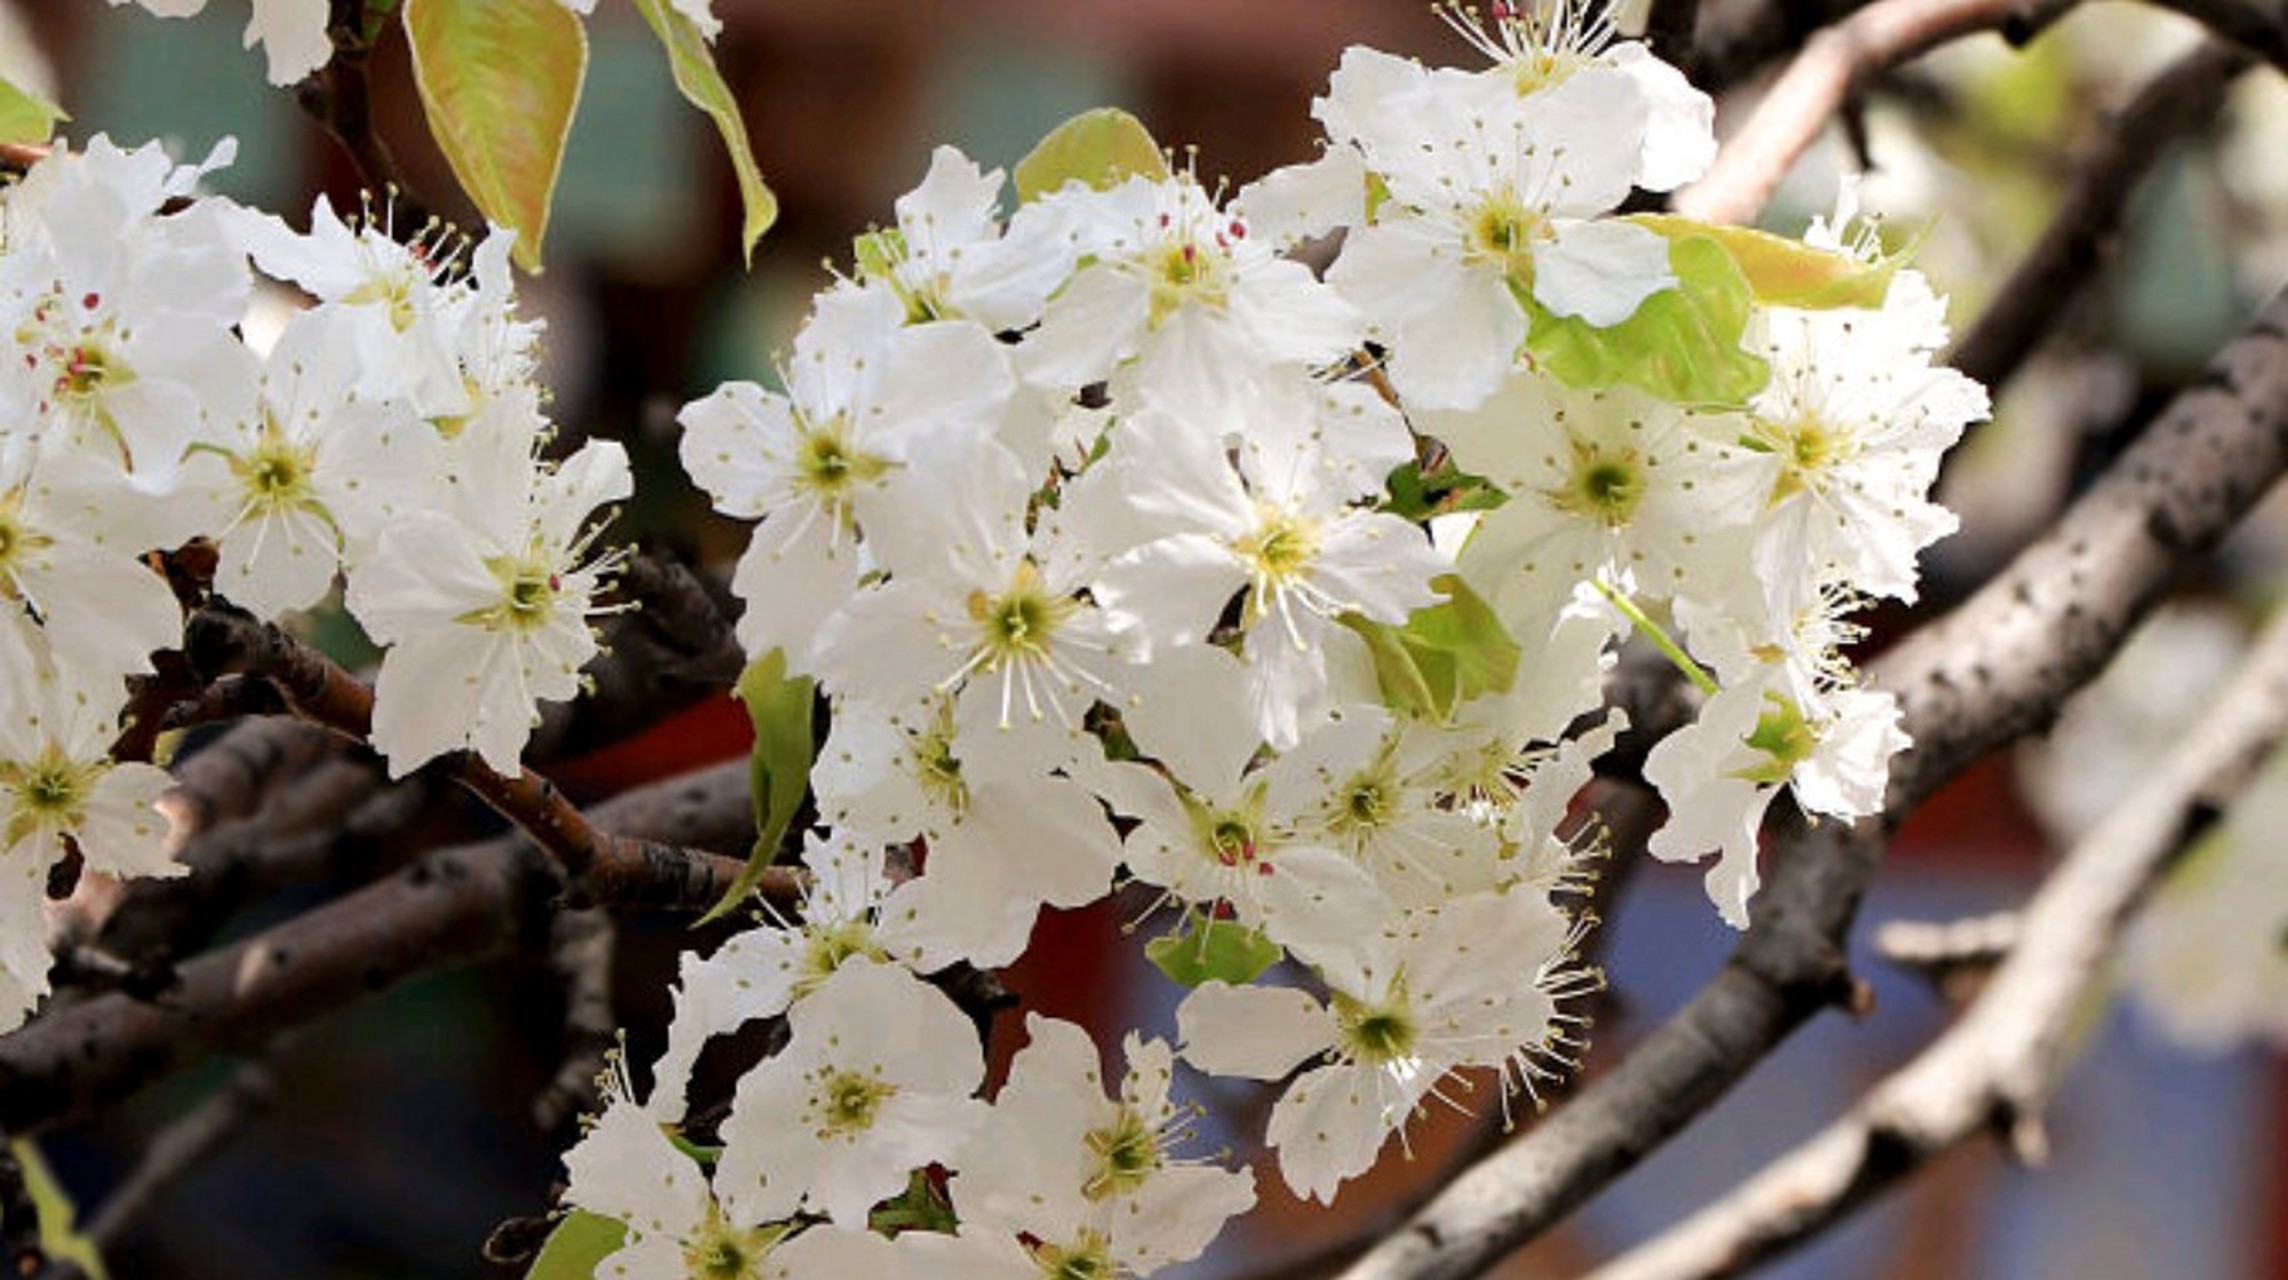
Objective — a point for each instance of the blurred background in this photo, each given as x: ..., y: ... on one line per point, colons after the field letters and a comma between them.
x: 401, y: 1130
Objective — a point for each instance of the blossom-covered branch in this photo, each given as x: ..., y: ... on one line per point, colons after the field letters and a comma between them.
x: 1992, y: 669
x: 1996, y: 1068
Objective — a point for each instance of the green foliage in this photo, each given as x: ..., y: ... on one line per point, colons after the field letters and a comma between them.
x: 1416, y: 494
x: 1445, y: 655
x: 1788, y: 273
x: 1682, y: 343
x: 779, y: 768
x: 702, y: 85
x: 60, y: 1238
x: 920, y: 1207
x: 578, y: 1243
x: 1204, y: 948
x: 499, y: 82
x: 1101, y: 148
x: 26, y: 116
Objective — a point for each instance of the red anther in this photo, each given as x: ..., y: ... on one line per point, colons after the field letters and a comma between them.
x: 1165, y: 220
x: 1238, y: 229
x: 1223, y: 910
x: 1190, y: 253
x: 555, y: 583
x: 91, y: 301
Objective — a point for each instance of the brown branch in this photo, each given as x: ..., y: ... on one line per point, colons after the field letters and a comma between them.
x: 1997, y: 1068
x: 1956, y: 956
x: 339, y: 96
x: 1833, y: 66
x: 1994, y: 668
x: 2082, y: 237
x: 601, y: 866
x: 455, y: 906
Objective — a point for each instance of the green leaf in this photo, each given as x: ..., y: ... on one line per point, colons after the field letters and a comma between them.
x: 1681, y: 343
x: 702, y: 85
x: 1788, y: 273
x: 499, y: 82
x: 26, y: 116
x: 60, y: 1238
x: 1445, y: 654
x: 778, y: 772
x: 578, y: 1243
x: 1417, y: 495
x: 920, y: 1207
x: 1202, y: 948
x: 1100, y: 148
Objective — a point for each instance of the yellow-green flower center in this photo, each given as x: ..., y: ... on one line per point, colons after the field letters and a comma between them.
x: 1088, y: 1257
x: 720, y: 1251
x: 529, y: 587
x: 49, y: 793
x: 276, y: 474
x: 1126, y: 1152
x: 1184, y: 273
x: 1019, y: 624
x: 1504, y: 229
x: 1604, y: 484
x: 845, y: 1102
x: 1376, y: 1033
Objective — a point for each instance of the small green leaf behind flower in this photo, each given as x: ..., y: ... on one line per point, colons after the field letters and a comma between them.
x: 26, y: 117
x: 579, y: 1242
x: 1100, y: 148
x: 1682, y: 344
x: 1444, y: 655
x: 1789, y: 273
x: 702, y: 85
x: 780, y: 707
x: 1204, y: 948
x: 499, y: 82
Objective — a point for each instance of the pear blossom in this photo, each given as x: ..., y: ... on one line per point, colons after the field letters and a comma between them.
x: 864, y: 390
x: 58, y: 783
x: 1471, y: 983
x: 1168, y: 280
x: 292, y: 33
x: 492, y: 606
x: 73, y: 592
x: 1720, y: 773
x: 1085, y: 1181
x: 1489, y: 205
x: 875, y: 1081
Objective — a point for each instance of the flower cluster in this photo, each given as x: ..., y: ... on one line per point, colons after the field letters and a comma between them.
x: 1128, y: 549
x: 392, y: 431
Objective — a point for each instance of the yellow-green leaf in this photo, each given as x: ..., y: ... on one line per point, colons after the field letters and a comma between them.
x: 1204, y: 948
x: 1444, y: 655
x: 499, y: 81
x: 1682, y: 344
x: 26, y: 116
x: 695, y: 74
x: 778, y: 770
x: 1788, y: 273
x: 1101, y: 148
x: 578, y: 1243
x: 60, y: 1238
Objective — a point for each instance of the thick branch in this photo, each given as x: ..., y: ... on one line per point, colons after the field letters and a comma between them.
x: 455, y: 906
x: 1832, y: 67
x: 1998, y: 1066
x: 2000, y: 664
x: 2081, y: 237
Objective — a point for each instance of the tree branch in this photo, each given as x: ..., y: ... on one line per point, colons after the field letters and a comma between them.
x: 455, y: 906
x: 2081, y: 237
x: 1832, y: 67
x: 1992, y: 669
x: 1997, y: 1067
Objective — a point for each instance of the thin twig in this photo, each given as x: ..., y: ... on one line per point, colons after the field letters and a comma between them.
x: 2082, y: 236
x: 1996, y: 1069
x: 580, y: 957
x: 1833, y: 65
x: 1992, y: 669
x: 189, y: 1139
